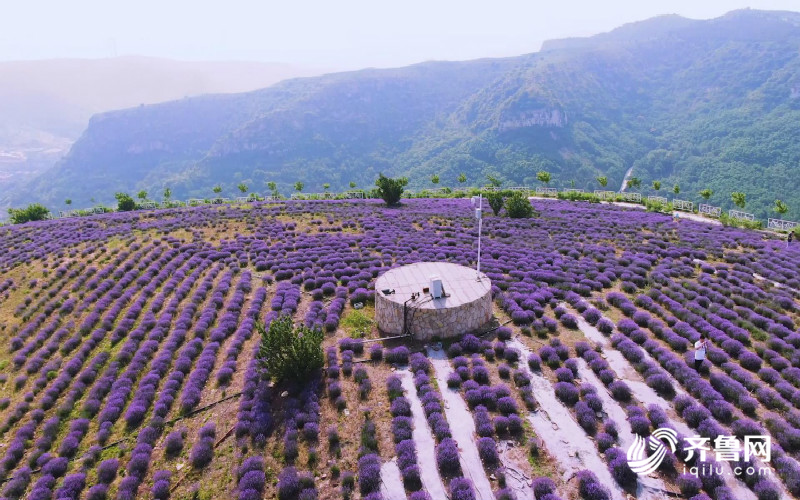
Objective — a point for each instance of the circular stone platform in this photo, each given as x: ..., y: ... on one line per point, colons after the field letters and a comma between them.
x: 466, y: 306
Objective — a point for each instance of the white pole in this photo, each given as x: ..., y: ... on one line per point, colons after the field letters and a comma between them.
x: 480, y: 223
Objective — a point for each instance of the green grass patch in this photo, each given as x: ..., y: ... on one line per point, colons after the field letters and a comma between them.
x: 358, y: 322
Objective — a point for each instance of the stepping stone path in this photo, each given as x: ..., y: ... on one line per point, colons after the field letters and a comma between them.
x: 462, y: 426
x: 564, y: 439
x: 423, y: 439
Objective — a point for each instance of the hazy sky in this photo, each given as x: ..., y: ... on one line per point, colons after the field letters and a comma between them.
x: 323, y: 33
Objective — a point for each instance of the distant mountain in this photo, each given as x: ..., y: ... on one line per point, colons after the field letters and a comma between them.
x: 696, y: 103
x: 46, y: 105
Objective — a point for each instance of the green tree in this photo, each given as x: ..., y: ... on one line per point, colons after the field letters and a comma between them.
x: 217, y: 189
x: 167, y: 194
x: 676, y: 189
x: 298, y: 186
x: 739, y: 199
x: 634, y: 183
x: 543, y: 176
x: 33, y: 212
x: 494, y: 181
x: 706, y: 194
x: 68, y: 202
x: 519, y: 207
x: 243, y: 187
x: 496, y: 201
x: 124, y: 202
x: 391, y: 190
x: 780, y: 207
x: 290, y: 352
x: 435, y: 179
x: 352, y: 185
x: 273, y: 188
x: 603, y: 181
x: 462, y: 178
x: 326, y: 187
x: 142, y: 195
x: 657, y: 185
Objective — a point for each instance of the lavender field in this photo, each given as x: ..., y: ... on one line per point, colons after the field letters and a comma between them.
x: 129, y: 361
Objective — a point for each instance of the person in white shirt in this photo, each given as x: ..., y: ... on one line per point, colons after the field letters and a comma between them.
x: 700, y: 351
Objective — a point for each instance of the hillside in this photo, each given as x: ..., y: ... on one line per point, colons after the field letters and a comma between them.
x: 47, y: 104
x: 696, y: 103
x: 131, y: 367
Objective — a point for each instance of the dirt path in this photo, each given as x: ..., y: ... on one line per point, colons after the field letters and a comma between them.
x: 562, y: 436
x: 423, y: 439
x: 462, y: 427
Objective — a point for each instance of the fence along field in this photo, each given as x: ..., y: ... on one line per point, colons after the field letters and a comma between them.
x: 129, y: 364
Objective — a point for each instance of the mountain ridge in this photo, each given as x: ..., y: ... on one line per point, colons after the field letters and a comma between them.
x: 627, y: 98
x: 47, y: 104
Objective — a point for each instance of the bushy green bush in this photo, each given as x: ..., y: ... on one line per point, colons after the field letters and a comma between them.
x: 34, y: 211
x: 292, y: 352
x: 390, y: 190
x: 657, y: 206
x: 125, y: 202
x: 578, y: 196
x: 519, y: 207
x: 496, y: 201
x: 746, y: 224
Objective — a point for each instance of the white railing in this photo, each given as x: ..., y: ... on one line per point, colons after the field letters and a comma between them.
x: 573, y: 191
x: 633, y: 197
x: 353, y: 194
x: 149, y: 205
x: 220, y: 201
x: 96, y: 210
x: 686, y: 206
x: 657, y: 199
x: 193, y: 202
x: 735, y: 214
x: 709, y: 210
x: 605, y: 195
x: 781, y: 225
x: 519, y: 189
x: 543, y: 191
